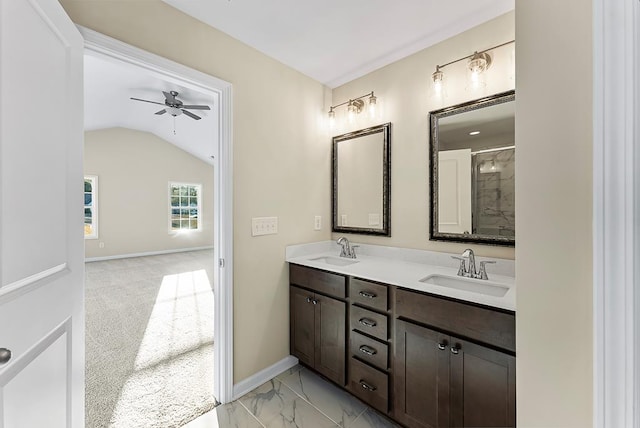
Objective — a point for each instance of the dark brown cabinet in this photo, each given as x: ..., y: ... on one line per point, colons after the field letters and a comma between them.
x: 421, y: 390
x: 442, y: 380
x: 318, y: 325
x: 425, y: 360
x: 369, y: 343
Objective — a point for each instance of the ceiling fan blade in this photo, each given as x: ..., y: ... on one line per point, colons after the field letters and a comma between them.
x: 191, y: 115
x: 196, y: 107
x: 147, y: 101
x: 163, y: 111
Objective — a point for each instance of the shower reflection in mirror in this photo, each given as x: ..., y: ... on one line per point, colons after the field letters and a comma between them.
x: 473, y: 171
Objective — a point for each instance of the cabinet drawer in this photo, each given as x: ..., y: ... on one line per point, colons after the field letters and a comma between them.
x: 368, y: 294
x: 369, y: 322
x: 369, y: 350
x: 485, y: 325
x: 370, y: 385
x: 317, y: 280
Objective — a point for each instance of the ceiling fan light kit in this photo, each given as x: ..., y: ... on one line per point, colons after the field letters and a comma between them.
x: 174, y: 106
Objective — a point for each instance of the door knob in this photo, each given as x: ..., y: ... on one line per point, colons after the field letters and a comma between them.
x: 5, y: 355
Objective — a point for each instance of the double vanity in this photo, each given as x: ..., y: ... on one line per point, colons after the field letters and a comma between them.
x: 402, y: 331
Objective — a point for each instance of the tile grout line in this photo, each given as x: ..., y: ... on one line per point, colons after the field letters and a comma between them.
x: 308, y: 402
x: 248, y: 411
x: 360, y: 415
x: 318, y: 409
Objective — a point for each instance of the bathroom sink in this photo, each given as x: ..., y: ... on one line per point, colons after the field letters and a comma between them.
x: 480, y: 286
x: 336, y: 261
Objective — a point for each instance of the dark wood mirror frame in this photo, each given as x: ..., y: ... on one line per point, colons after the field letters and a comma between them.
x: 385, y: 131
x: 434, y: 116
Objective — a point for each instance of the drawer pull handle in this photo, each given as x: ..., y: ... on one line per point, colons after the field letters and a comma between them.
x: 368, y: 294
x: 455, y: 349
x: 366, y: 386
x: 442, y: 345
x: 368, y: 350
x: 367, y: 322
x: 5, y: 356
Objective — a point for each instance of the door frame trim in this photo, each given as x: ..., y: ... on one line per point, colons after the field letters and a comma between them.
x: 616, y: 207
x: 105, y: 47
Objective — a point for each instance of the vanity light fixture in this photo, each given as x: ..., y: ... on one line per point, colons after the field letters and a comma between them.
x: 478, y: 63
x: 355, y: 106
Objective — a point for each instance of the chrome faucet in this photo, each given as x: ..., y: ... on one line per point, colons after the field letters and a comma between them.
x: 471, y: 265
x: 347, y: 250
x: 469, y: 269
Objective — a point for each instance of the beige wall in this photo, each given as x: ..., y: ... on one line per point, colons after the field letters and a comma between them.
x: 404, y: 92
x: 134, y: 169
x: 282, y: 160
x: 554, y: 213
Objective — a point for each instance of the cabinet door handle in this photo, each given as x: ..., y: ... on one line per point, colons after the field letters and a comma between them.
x: 442, y: 345
x: 366, y: 386
x: 455, y: 349
x: 367, y: 322
x: 314, y: 301
x: 368, y: 350
x: 309, y: 299
x: 5, y: 355
x: 368, y: 294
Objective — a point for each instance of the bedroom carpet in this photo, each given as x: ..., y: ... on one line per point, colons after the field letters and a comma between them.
x: 149, y: 340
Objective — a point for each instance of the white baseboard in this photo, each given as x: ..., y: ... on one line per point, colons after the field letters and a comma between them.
x: 252, y: 382
x: 148, y: 253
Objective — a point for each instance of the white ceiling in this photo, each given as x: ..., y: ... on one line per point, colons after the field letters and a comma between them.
x: 336, y: 41
x: 108, y: 87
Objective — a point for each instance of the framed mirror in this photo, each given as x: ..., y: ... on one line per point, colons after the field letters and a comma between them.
x: 361, y: 181
x: 472, y: 158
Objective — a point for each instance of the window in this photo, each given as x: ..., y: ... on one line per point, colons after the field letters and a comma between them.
x: 90, y: 207
x: 184, y: 206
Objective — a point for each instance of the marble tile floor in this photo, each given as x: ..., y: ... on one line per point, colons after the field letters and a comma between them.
x: 296, y: 398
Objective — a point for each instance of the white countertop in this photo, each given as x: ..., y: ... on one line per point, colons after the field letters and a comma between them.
x: 405, y: 267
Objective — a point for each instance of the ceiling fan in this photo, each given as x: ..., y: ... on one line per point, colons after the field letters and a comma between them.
x: 174, y: 106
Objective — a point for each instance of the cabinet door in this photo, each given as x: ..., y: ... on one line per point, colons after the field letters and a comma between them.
x: 330, y: 334
x: 421, y: 369
x: 302, y: 324
x: 483, y: 383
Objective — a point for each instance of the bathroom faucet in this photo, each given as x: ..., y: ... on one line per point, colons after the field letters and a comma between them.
x: 471, y: 265
x: 346, y: 249
x: 469, y: 269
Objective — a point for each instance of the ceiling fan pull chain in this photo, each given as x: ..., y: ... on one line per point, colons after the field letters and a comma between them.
x: 174, y: 125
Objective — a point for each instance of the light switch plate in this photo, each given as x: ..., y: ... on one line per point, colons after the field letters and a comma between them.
x: 317, y: 223
x: 264, y: 226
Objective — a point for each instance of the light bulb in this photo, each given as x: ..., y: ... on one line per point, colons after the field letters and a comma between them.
x: 332, y: 118
x: 438, y: 83
x: 373, y: 102
x: 351, y: 112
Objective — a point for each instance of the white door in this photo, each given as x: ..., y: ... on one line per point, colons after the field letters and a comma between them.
x: 41, y: 237
x: 454, y: 191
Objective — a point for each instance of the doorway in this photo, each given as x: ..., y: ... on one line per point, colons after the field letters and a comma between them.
x: 108, y: 49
